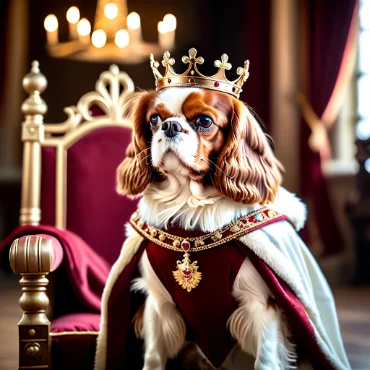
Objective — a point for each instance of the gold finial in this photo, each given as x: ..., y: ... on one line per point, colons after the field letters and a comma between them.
x: 114, y: 69
x: 223, y: 62
x: 243, y: 72
x: 154, y: 65
x: 34, y: 84
x: 192, y: 58
x: 167, y: 60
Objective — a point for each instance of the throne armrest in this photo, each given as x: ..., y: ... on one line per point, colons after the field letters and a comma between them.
x: 34, y: 252
x: 39, y: 253
x: 85, y: 269
x: 33, y: 257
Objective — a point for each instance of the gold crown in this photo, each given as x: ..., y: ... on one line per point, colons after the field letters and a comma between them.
x: 193, y: 78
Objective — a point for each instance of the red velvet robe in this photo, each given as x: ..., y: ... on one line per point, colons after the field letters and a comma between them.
x: 205, y: 309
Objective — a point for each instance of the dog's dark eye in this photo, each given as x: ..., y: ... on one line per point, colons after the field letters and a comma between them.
x: 155, y: 119
x: 204, y: 121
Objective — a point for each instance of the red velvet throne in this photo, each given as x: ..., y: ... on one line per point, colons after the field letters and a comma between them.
x: 71, y: 220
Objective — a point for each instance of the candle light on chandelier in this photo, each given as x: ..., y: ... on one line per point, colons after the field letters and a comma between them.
x: 166, y: 31
x: 51, y: 27
x: 73, y: 16
x: 98, y: 38
x: 122, y: 38
x: 134, y: 27
x: 111, y: 11
x: 83, y: 30
x: 114, y: 36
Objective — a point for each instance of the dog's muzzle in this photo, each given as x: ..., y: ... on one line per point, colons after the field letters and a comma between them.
x: 171, y: 128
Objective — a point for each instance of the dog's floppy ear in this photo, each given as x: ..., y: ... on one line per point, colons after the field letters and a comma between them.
x: 135, y: 173
x: 248, y: 171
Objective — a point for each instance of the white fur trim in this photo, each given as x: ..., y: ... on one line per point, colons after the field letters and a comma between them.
x: 129, y: 248
x: 194, y: 206
x: 284, y: 267
x: 290, y: 205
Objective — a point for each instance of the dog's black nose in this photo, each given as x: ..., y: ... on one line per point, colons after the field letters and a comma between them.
x: 171, y: 128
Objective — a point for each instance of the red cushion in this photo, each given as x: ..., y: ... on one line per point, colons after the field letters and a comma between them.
x: 76, y: 322
x: 74, y: 341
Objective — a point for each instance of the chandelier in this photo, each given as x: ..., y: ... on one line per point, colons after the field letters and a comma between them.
x: 116, y: 36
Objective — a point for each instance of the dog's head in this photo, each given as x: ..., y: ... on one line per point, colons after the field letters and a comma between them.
x: 208, y: 136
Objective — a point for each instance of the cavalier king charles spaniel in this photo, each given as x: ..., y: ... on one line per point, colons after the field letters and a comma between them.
x: 200, y: 160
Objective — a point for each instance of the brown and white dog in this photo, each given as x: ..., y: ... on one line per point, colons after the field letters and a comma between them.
x: 201, y: 160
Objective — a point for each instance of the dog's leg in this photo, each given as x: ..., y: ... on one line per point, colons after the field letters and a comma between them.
x: 155, y: 356
x: 258, y: 324
x: 163, y: 327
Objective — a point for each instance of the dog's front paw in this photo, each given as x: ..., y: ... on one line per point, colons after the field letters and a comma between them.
x: 153, y: 363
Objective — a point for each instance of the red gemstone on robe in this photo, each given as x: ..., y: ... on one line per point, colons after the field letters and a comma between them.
x: 169, y: 80
x: 217, y: 84
x: 191, y: 80
x: 241, y: 225
x: 187, y: 274
x: 185, y: 246
x: 234, y: 89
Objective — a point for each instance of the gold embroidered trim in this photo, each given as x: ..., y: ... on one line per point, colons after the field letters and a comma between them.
x: 65, y: 333
x: 238, y: 228
x: 187, y: 274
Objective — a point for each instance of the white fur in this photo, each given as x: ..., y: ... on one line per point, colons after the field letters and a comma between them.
x: 193, y: 206
x: 184, y: 145
x: 129, y: 248
x: 292, y: 206
x: 174, y: 98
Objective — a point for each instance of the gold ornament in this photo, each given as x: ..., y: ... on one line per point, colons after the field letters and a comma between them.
x: 193, y: 78
x: 187, y: 274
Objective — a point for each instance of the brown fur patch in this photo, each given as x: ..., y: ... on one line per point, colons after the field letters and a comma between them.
x: 138, y: 322
x: 135, y: 173
x: 271, y: 304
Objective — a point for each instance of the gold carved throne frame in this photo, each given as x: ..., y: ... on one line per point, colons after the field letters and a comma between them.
x: 32, y: 257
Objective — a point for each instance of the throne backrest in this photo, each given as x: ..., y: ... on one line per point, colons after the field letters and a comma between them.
x: 69, y: 169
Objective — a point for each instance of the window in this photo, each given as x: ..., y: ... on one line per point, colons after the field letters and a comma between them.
x: 363, y: 83
x: 363, y: 106
x: 354, y: 118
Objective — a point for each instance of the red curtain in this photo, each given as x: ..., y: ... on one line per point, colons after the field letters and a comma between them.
x: 329, y: 33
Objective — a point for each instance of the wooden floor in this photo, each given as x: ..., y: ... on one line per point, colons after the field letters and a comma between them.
x: 353, y: 306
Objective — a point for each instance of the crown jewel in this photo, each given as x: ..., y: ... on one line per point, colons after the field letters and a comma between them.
x: 193, y: 78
